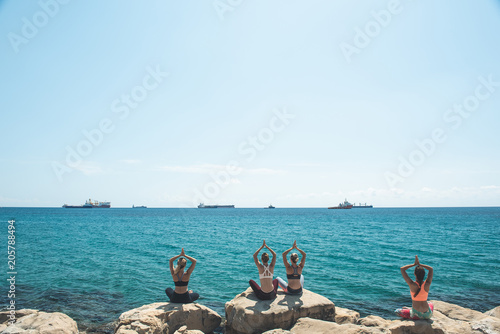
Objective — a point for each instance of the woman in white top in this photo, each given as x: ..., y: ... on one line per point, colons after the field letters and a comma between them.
x: 268, y: 287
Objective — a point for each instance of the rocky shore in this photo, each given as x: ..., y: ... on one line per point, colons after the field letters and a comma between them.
x: 245, y: 314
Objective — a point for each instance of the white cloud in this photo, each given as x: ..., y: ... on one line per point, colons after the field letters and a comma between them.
x: 262, y: 171
x: 212, y: 168
x: 490, y: 187
x: 89, y: 168
x: 131, y: 161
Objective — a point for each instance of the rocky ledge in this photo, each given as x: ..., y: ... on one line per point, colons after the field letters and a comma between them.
x: 447, y: 319
x: 311, y: 313
x: 161, y: 318
x: 246, y: 314
x: 164, y: 318
x: 33, y: 322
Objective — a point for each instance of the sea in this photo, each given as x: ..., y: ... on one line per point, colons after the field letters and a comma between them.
x: 94, y: 264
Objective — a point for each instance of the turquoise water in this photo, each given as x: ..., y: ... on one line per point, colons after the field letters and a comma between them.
x: 95, y: 264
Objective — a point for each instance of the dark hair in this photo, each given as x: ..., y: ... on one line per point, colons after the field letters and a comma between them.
x: 265, y: 257
x: 419, y: 274
x: 294, y: 257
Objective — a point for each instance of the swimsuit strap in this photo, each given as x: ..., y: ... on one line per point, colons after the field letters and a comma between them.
x: 420, y: 286
x: 266, y: 270
x: 267, y: 273
x: 180, y: 279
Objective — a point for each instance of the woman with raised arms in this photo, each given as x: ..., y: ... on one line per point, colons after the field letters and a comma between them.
x: 181, y: 279
x: 293, y: 271
x: 419, y: 290
x: 268, y: 287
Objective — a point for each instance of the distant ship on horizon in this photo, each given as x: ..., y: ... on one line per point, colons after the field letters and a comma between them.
x: 139, y: 207
x: 345, y: 205
x: 270, y: 207
x: 89, y: 204
x: 361, y: 206
x: 203, y: 206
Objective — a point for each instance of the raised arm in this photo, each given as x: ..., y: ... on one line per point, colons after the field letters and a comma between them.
x: 193, y: 263
x: 405, y: 275
x: 303, y: 255
x: 256, y: 254
x: 273, y: 261
x: 430, y: 275
x: 171, y: 262
x: 285, y: 254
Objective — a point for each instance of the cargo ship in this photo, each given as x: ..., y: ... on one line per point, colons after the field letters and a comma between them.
x: 345, y: 205
x: 203, y: 206
x: 361, y: 206
x: 89, y: 205
x: 139, y: 207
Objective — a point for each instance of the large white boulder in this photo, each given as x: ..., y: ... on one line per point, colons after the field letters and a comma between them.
x: 494, y: 312
x: 246, y: 314
x: 34, y: 322
x: 166, y: 318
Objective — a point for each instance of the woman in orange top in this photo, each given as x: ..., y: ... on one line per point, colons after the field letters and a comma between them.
x: 419, y: 290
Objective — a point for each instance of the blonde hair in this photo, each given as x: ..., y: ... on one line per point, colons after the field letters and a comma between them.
x: 265, y: 257
x: 294, y: 257
x: 181, y: 263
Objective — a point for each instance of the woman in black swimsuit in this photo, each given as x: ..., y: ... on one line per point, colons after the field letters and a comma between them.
x: 293, y: 271
x: 181, y: 279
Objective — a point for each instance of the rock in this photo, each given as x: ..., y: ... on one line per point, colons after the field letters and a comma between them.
x: 457, y: 312
x: 309, y: 326
x: 165, y: 318
x: 277, y: 331
x: 487, y: 325
x: 33, y: 322
x: 345, y: 316
x: 449, y: 325
x: 373, y: 321
x: 494, y: 312
x: 477, y: 322
x: 415, y: 327
x: 184, y: 330
x: 246, y: 314
x: 447, y: 319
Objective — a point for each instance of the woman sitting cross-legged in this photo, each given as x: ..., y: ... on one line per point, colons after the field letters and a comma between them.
x: 419, y: 289
x: 181, y: 279
x: 268, y: 287
x: 293, y: 271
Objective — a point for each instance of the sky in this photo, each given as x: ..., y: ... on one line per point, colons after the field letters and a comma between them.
x: 294, y: 103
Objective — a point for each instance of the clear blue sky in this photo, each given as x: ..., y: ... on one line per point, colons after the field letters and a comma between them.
x: 314, y: 101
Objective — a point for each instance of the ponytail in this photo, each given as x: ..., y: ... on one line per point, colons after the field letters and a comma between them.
x: 419, y: 274
x: 181, y: 263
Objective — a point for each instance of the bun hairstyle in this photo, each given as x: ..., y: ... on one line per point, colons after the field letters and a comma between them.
x: 294, y: 257
x: 419, y: 274
x: 265, y: 257
x: 181, y: 263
